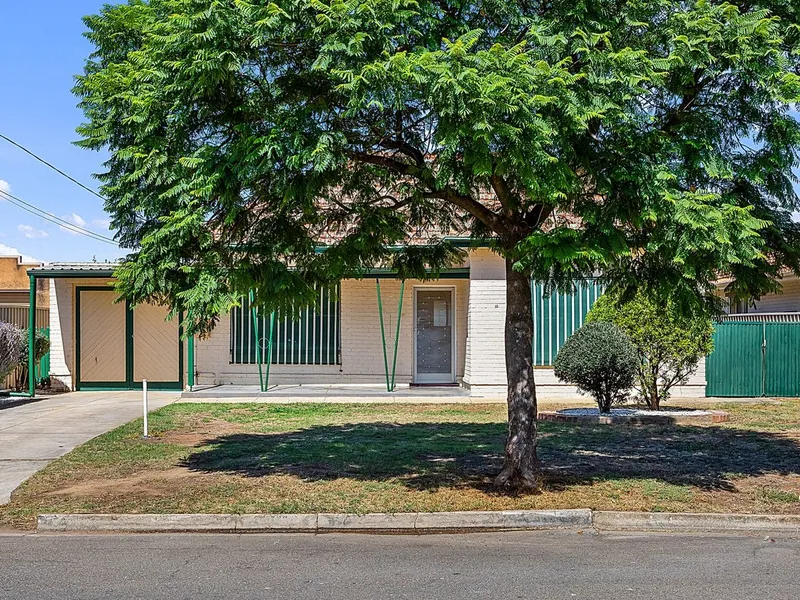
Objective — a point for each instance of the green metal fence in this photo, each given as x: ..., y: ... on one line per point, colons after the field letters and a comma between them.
x: 558, y: 316
x: 754, y: 358
x: 311, y: 339
x: 43, y: 366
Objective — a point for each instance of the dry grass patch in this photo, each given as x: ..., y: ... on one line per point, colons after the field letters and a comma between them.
x: 398, y: 458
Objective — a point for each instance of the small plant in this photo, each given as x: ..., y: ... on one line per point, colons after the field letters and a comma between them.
x: 669, y: 343
x: 12, y: 346
x: 601, y: 361
x: 41, y: 347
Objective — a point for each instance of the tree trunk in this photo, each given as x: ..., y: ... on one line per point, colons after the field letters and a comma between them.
x: 521, y: 468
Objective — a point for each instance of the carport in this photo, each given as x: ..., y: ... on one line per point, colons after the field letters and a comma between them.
x: 100, y: 342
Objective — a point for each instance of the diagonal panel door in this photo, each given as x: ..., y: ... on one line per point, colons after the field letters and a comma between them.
x: 102, y: 337
x: 156, y: 343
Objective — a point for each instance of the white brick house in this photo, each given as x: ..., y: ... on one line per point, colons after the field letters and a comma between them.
x: 451, y: 332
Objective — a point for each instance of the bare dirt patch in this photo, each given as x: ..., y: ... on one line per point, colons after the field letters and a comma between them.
x: 197, y: 433
x: 156, y: 483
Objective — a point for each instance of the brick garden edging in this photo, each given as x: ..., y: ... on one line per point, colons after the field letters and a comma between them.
x: 709, y: 417
x: 421, y: 523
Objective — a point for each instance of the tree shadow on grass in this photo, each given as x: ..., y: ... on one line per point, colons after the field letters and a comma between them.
x: 428, y: 456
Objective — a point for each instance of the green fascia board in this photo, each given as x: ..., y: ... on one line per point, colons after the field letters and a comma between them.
x: 456, y: 273
x: 458, y: 242
x: 56, y: 274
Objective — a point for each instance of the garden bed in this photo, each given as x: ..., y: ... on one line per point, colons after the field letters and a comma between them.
x: 634, y: 416
x: 255, y: 458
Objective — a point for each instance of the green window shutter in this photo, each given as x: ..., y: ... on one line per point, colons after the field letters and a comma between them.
x: 311, y: 339
x: 558, y: 315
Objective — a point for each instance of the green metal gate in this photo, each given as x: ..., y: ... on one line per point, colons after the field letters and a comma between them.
x: 755, y: 358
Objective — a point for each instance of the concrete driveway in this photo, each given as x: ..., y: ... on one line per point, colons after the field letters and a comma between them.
x: 33, y: 434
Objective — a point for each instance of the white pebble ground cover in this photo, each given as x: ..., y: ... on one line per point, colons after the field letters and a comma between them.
x: 632, y: 412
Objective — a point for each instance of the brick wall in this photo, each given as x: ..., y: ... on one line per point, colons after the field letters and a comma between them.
x: 485, y: 347
x: 362, y: 352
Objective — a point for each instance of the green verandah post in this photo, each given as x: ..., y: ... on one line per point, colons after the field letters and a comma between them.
x: 190, y: 357
x: 32, y: 339
x: 390, y: 384
x: 263, y: 383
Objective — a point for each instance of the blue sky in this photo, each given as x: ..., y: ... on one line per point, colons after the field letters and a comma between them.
x: 41, y: 50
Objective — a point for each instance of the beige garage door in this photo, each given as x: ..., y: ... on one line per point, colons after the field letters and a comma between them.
x: 102, y: 337
x: 156, y: 346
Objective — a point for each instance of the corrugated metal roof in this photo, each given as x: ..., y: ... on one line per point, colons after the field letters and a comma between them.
x: 74, y: 269
x: 77, y: 266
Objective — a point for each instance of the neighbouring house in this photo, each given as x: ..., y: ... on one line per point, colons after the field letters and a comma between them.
x: 450, y: 332
x: 15, y: 284
x: 15, y: 301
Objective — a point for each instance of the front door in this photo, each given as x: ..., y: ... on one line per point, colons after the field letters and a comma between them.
x: 434, y: 339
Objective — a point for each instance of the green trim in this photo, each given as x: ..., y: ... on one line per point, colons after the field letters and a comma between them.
x: 128, y: 343
x: 263, y: 382
x: 454, y: 273
x: 457, y: 241
x: 99, y: 386
x: 190, y: 352
x: 180, y: 351
x: 81, y: 385
x: 390, y: 384
x: 383, y: 334
x: 55, y: 274
x: 397, y: 332
x: 129, y: 383
x: 32, y: 338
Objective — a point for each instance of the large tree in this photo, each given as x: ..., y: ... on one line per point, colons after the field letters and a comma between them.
x: 649, y: 140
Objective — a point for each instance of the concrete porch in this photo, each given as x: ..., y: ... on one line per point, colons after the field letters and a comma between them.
x: 338, y: 392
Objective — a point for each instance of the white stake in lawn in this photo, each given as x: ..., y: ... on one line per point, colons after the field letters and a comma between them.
x: 144, y: 404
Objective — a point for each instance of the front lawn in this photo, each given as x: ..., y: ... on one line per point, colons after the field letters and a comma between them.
x: 219, y: 458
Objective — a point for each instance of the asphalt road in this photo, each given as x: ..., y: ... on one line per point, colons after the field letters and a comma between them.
x: 539, y: 565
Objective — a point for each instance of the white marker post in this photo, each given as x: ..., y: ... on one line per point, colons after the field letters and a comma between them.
x: 144, y: 404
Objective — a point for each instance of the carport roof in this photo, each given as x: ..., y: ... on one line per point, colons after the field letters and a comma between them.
x: 75, y: 269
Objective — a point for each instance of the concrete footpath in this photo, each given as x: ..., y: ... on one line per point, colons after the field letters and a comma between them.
x: 38, y: 432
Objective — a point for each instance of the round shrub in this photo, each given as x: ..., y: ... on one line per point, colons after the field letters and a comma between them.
x: 601, y: 361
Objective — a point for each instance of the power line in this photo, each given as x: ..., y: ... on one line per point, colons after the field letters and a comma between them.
x: 35, y: 210
x: 52, y: 166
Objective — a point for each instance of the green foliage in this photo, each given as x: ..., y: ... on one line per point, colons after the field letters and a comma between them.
x: 669, y: 343
x: 41, y: 347
x: 12, y: 348
x: 601, y: 361
x: 242, y: 134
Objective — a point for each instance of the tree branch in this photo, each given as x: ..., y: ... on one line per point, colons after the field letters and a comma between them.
x: 503, y: 193
x: 467, y: 203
